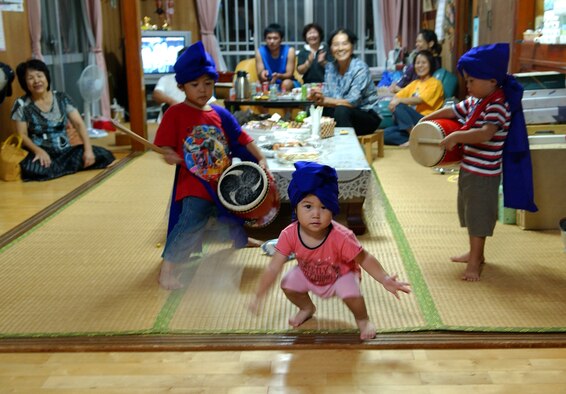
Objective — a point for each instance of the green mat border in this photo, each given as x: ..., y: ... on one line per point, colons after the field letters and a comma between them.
x: 165, y: 315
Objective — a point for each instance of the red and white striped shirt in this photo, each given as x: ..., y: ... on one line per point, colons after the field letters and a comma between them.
x: 485, y: 158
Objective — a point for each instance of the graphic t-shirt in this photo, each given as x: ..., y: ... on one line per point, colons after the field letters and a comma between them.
x: 199, y: 138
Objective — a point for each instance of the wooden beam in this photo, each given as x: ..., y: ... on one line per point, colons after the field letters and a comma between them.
x: 131, y: 18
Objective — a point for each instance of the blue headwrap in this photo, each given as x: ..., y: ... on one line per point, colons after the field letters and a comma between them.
x: 490, y: 62
x: 193, y: 63
x: 317, y: 179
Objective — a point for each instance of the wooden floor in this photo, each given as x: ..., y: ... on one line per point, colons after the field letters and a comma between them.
x: 294, y: 370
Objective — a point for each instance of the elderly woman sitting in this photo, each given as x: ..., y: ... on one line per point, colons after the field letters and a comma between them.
x: 41, y: 118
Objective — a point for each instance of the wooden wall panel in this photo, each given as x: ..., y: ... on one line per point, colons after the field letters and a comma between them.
x: 18, y: 49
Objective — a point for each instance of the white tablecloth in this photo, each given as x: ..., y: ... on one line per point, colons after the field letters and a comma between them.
x: 343, y: 152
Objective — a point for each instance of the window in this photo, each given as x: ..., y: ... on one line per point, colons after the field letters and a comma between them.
x: 241, y: 22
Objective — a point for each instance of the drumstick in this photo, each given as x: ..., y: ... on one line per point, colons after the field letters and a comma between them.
x: 138, y: 138
x: 429, y: 141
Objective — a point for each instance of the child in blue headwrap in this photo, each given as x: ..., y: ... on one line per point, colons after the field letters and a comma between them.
x: 328, y: 254
x: 494, y: 138
x: 201, y: 140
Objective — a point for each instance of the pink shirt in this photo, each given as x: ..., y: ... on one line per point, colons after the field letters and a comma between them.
x: 324, y: 264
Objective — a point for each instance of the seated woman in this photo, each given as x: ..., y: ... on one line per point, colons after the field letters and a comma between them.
x: 41, y: 119
x: 426, y: 41
x: 312, y: 59
x: 421, y: 97
x: 349, y: 94
x: 275, y: 63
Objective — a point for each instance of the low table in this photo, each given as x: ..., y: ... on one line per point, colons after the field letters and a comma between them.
x: 344, y: 153
x: 234, y: 105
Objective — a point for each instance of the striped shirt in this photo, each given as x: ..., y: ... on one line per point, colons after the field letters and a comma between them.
x: 484, y: 158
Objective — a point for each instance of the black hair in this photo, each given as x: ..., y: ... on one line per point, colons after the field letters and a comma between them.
x: 32, y: 64
x: 430, y: 57
x: 274, y: 28
x: 430, y: 35
x: 352, y: 38
x: 180, y: 52
x: 313, y: 26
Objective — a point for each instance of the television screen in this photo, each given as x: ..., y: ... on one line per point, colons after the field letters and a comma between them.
x: 159, y: 51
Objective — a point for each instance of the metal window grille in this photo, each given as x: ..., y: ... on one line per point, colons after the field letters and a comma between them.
x: 241, y: 23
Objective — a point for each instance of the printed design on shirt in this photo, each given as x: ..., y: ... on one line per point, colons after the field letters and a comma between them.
x: 321, y: 272
x: 206, y: 152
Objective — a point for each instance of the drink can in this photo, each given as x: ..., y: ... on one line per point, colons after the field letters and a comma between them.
x: 265, y: 87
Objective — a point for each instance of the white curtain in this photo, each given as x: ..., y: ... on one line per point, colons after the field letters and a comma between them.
x: 208, y: 16
x: 34, y: 17
x: 93, y: 23
x: 379, y: 33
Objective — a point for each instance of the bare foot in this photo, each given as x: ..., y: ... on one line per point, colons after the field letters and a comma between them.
x: 367, y: 329
x: 302, y: 316
x: 404, y: 145
x: 253, y: 243
x: 168, y: 280
x: 461, y: 259
x: 473, y: 271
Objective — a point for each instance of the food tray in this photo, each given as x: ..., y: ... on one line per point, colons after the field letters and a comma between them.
x: 291, y: 155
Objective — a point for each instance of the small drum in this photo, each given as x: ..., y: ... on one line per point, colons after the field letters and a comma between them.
x: 424, y: 142
x: 247, y: 191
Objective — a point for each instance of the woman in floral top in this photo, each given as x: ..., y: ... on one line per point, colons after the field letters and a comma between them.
x: 349, y: 94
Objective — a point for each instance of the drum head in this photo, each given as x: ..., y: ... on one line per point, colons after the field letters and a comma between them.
x: 427, y: 154
x: 242, y: 187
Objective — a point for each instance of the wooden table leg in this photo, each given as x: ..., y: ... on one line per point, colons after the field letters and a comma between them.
x: 354, y: 217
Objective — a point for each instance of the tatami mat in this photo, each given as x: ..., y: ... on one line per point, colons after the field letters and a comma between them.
x: 92, y: 268
x: 523, y: 281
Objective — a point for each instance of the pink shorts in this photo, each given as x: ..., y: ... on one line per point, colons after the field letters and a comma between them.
x: 346, y: 286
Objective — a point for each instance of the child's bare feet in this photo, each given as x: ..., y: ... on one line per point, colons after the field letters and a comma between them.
x: 473, y: 271
x: 302, y: 316
x: 253, y: 243
x: 367, y: 329
x: 167, y: 277
x: 461, y: 259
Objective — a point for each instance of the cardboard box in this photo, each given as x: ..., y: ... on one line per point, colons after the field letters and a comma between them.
x: 549, y: 180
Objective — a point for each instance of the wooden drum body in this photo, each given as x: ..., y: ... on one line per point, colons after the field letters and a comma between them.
x: 247, y: 191
x: 424, y: 142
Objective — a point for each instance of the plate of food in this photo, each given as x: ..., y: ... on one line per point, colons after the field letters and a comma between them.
x: 270, y: 148
x: 291, y: 155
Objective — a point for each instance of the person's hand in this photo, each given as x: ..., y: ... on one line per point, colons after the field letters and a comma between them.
x: 450, y: 141
x: 393, y: 104
x: 392, y: 285
x: 317, y: 97
x: 263, y: 164
x: 171, y: 157
x: 275, y: 77
x: 393, y: 88
x: 43, y: 158
x: 255, y: 305
x: 264, y: 75
x: 88, y: 158
x: 321, y: 57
